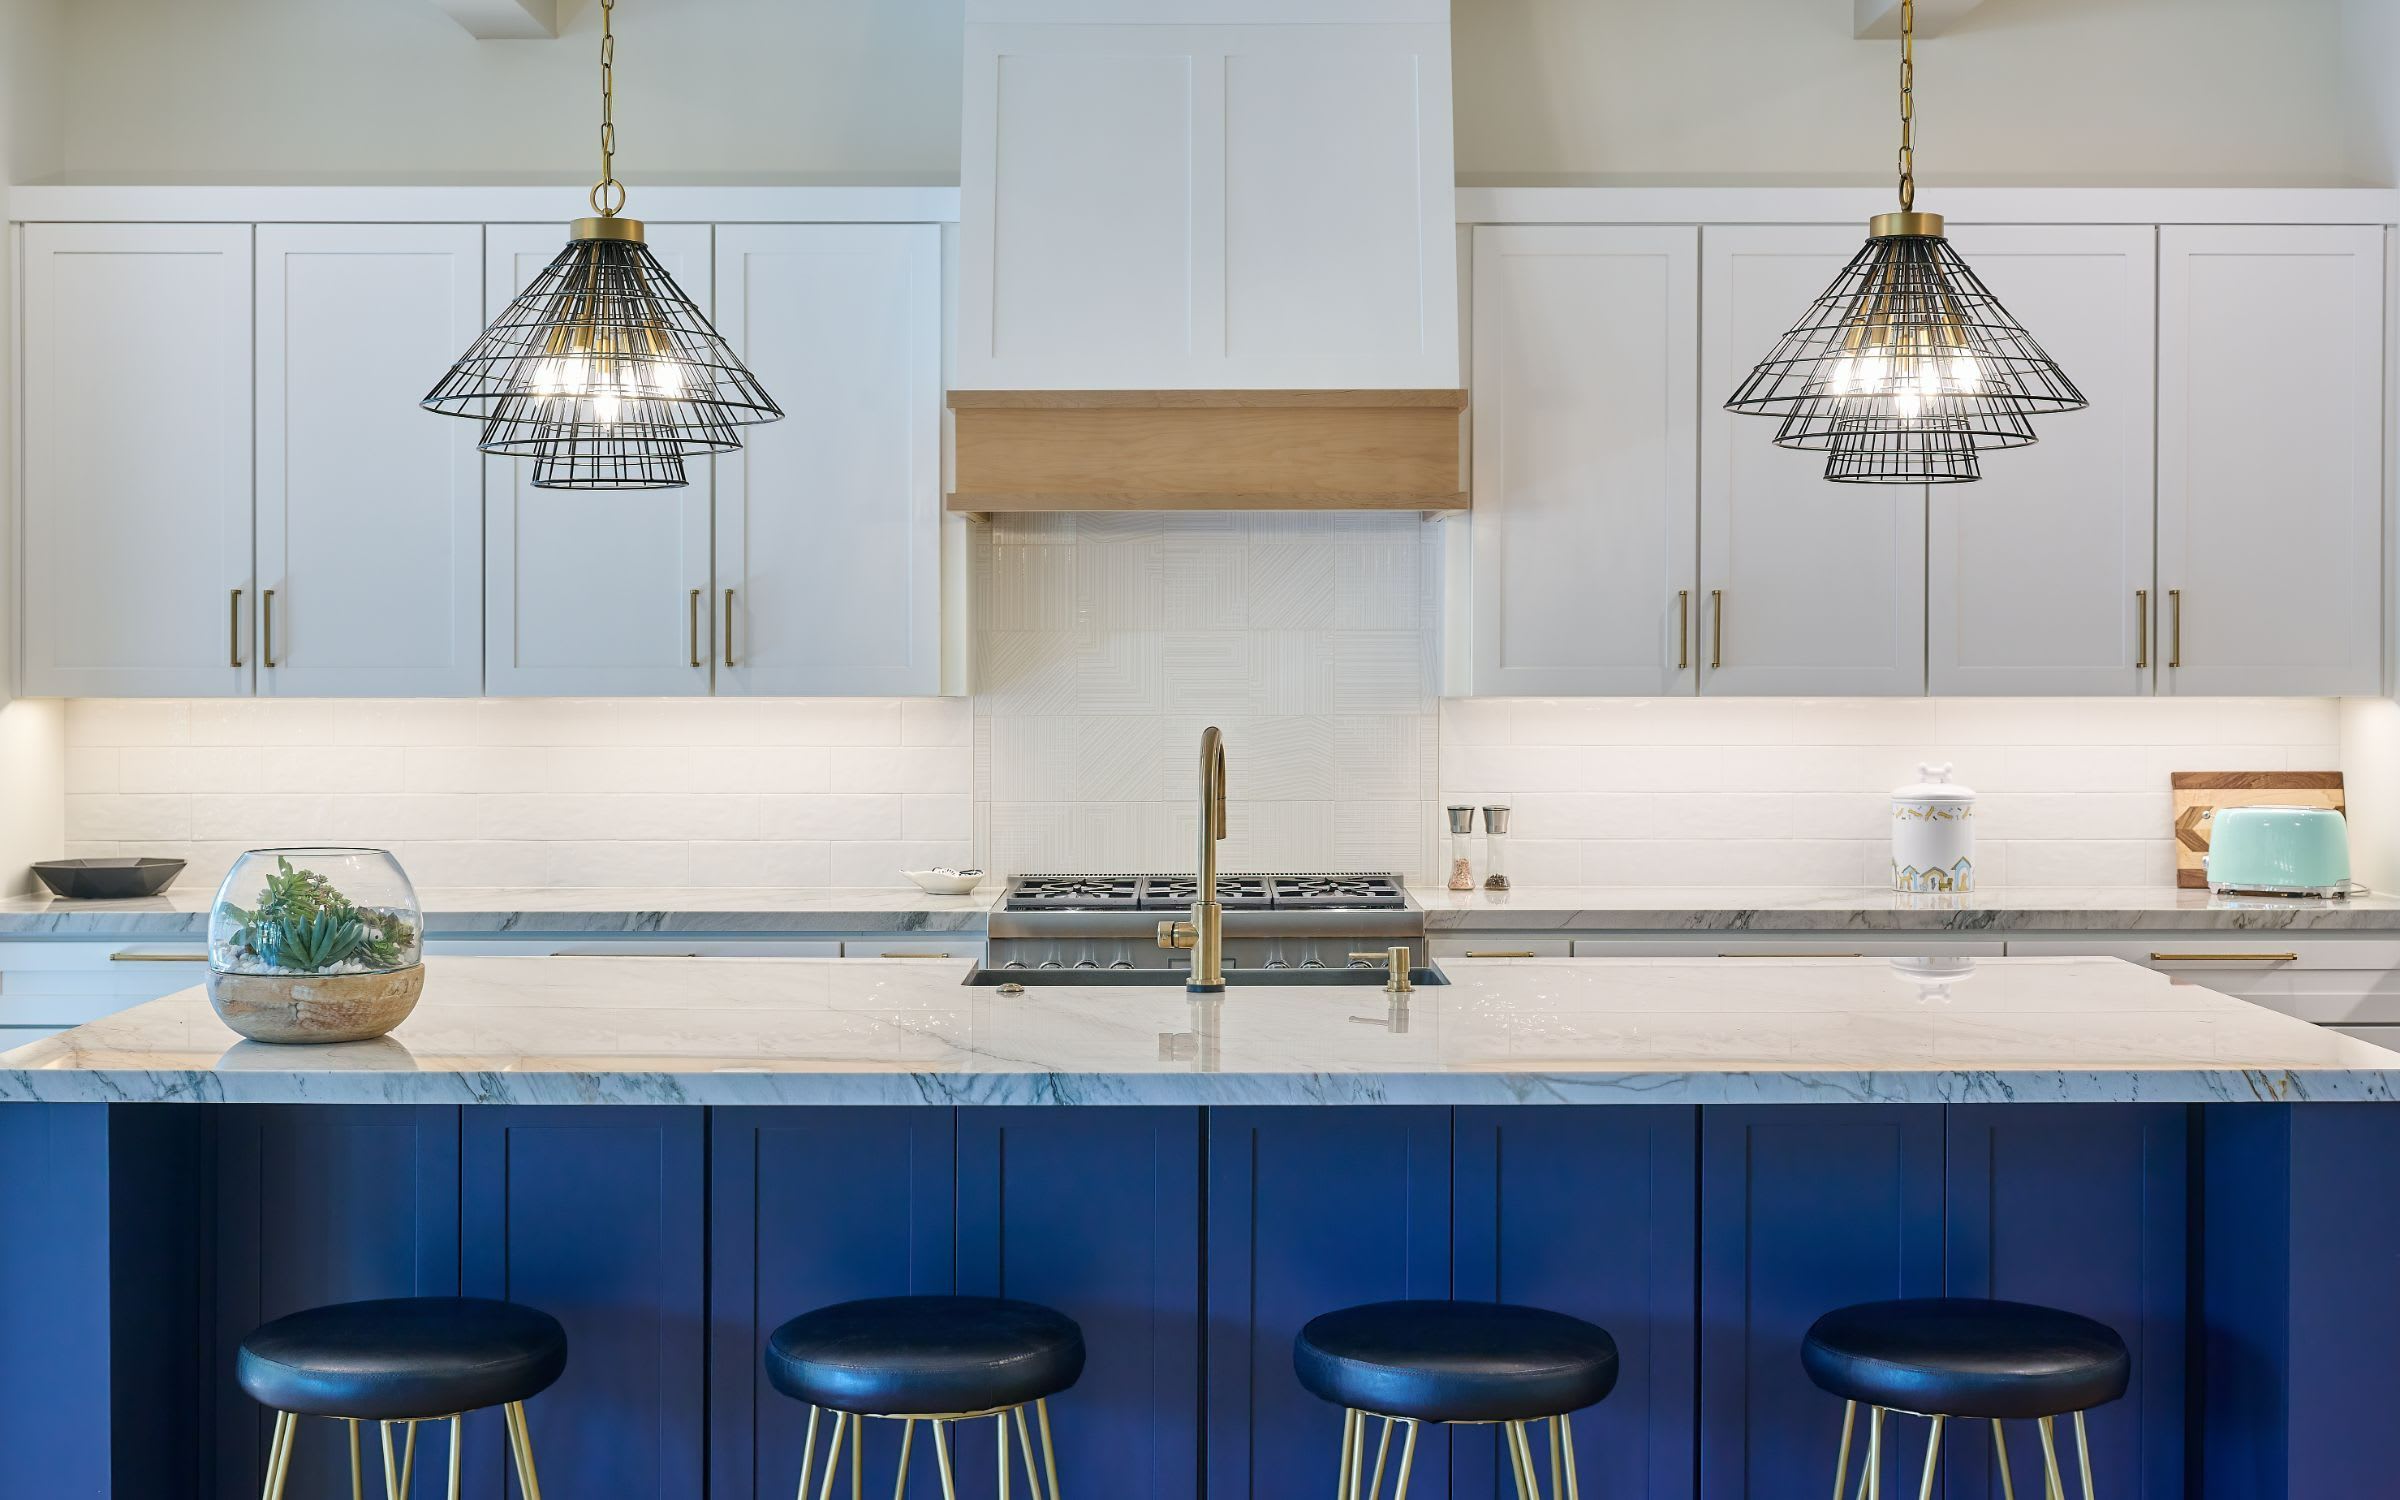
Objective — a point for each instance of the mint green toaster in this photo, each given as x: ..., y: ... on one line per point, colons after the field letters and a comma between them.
x: 2284, y: 851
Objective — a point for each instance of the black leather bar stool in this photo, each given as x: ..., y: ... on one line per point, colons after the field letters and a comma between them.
x: 398, y: 1362
x: 937, y: 1360
x: 1455, y: 1362
x: 1945, y: 1357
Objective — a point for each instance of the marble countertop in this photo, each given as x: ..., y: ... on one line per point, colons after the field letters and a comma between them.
x: 505, y: 911
x: 502, y: 911
x: 1589, y: 1031
x: 1867, y: 909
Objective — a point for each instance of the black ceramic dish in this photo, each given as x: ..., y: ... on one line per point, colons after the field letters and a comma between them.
x: 107, y: 879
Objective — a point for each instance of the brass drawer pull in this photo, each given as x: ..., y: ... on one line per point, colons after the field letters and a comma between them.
x: 1683, y: 630
x: 266, y: 629
x: 2175, y: 627
x: 233, y: 627
x: 2141, y: 628
x: 1791, y: 955
x: 127, y: 956
x: 1716, y: 645
x: 2224, y: 958
x: 1501, y: 953
x: 920, y: 955
x: 694, y: 622
x: 729, y: 627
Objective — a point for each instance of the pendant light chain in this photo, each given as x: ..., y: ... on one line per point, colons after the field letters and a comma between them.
x: 1908, y: 105
x: 608, y: 194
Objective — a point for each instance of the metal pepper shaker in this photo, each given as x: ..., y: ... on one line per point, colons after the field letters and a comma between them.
x: 1495, y: 848
x: 1462, y: 834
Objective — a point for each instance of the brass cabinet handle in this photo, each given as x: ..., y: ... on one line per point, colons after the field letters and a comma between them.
x: 266, y: 629
x: 694, y: 612
x: 2141, y: 628
x: 919, y: 955
x: 1683, y: 630
x: 127, y: 956
x: 2224, y: 958
x: 729, y: 627
x: 1716, y: 645
x: 233, y: 627
x: 2175, y: 627
x: 1501, y: 953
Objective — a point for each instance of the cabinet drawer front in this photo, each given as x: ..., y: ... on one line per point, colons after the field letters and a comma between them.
x: 1500, y: 945
x: 1793, y: 945
x: 120, y: 956
x: 2198, y: 952
x: 903, y: 945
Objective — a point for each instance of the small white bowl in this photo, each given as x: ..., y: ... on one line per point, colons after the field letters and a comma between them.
x: 945, y: 882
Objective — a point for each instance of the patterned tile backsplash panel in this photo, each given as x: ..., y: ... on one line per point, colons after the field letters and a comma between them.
x: 1105, y: 643
x: 1793, y: 792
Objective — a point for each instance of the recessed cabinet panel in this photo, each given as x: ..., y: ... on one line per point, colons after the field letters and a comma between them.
x: 1806, y: 587
x: 2039, y: 574
x: 2270, y: 458
x: 594, y: 591
x: 829, y: 522
x: 370, y: 509
x: 137, y: 460
x: 1585, y: 514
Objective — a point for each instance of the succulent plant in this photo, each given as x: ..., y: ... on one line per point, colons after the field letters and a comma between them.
x: 303, y: 924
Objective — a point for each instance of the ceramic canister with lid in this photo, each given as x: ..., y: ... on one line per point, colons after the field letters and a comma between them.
x: 1933, y: 833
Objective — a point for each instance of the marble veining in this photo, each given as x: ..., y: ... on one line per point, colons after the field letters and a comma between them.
x: 503, y: 911
x: 1590, y: 1031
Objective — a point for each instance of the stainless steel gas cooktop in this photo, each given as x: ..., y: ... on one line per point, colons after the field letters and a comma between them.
x: 1283, y: 920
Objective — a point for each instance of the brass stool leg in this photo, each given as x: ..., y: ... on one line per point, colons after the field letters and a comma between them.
x: 357, y: 1485
x: 941, y: 1456
x: 2051, y: 1485
x: 1566, y: 1432
x: 2083, y: 1456
x: 1933, y: 1457
x: 1408, y: 1459
x: 1841, y: 1457
x: 1383, y: 1451
x: 455, y: 1452
x: 2008, y: 1485
x: 521, y: 1432
x: 833, y: 1454
x: 808, y: 1448
x: 1341, y: 1481
x: 908, y: 1438
x: 1033, y: 1478
x: 408, y: 1461
x: 279, y: 1455
x: 391, y: 1462
x: 1041, y: 1410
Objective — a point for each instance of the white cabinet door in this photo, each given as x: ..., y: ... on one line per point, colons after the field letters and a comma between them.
x: 2270, y: 458
x: 593, y: 591
x: 370, y: 508
x: 137, y: 402
x: 2039, y: 574
x: 1806, y: 587
x: 829, y: 521
x: 1585, y: 519
x: 1207, y: 205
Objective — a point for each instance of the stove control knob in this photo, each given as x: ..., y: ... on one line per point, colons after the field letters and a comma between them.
x: 1086, y: 963
x: 1122, y: 963
x: 1314, y: 963
x: 1052, y: 963
x: 1014, y: 963
x: 1279, y: 963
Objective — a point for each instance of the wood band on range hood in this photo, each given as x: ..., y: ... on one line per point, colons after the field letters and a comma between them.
x: 1208, y: 450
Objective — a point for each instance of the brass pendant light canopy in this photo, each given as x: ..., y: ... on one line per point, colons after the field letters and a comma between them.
x: 602, y: 371
x: 1906, y: 367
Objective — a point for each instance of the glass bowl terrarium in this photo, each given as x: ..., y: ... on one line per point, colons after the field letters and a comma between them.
x: 315, y: 945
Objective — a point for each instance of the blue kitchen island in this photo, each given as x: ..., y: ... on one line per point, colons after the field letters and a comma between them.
x: 673, y: 1156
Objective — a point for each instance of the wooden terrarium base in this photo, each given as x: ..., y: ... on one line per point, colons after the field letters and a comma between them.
x: 315, y: 1008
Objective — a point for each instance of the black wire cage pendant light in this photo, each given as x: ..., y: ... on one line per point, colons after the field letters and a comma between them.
x: 602, y: 371
x: 1907, y: 367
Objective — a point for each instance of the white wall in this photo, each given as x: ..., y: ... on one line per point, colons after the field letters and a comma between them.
x: 2158, y: 92
x: 2107, y: 91
x: 32, y: 737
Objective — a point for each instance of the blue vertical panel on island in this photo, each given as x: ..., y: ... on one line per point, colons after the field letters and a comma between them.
x: 318, y: 1204
x: 1310, y: 1209
x: 810, y: 1207
x: 1589, y: 1212
x: 1095, y: 1212
x: 2079, y: 1206
x: 595, y: 1215
x: 1803, y: 1208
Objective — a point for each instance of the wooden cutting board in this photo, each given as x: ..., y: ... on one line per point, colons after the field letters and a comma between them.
x: 2198, y: 795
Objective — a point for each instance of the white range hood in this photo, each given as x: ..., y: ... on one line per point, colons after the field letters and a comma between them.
x: 1163, y: 199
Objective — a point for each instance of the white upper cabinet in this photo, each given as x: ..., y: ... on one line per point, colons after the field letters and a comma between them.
x: 370, y: 509
x: 137, y: 465
x: 1585, y: 517
x: 593, y: 592
x: 1806, y: 587
x: 2270, y: 458
x: 829, y: 521
x: 1194, y: 202
x: 2039, y: 574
